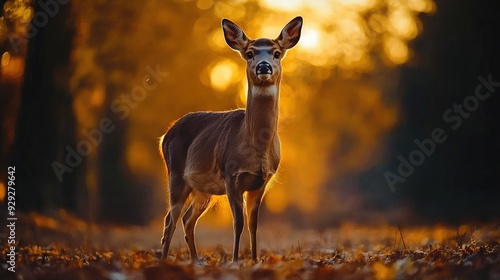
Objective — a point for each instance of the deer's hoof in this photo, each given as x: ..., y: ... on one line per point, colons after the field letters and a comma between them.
x: 199, y: 262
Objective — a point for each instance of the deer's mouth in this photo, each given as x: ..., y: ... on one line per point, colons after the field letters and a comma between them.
x: 264, y: 77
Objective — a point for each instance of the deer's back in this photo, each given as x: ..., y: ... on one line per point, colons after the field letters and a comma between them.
x: 199, y: 137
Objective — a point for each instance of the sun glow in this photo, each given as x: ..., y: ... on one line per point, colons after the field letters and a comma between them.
x: 348, y: 36
x: 5, y: 58
x: 223, y: 74
x: 331, y: 119
x: 3, y: 191
x: 396, y: 50
x: 289, y: 5
x: 309, y: 39
x: 276, y: 199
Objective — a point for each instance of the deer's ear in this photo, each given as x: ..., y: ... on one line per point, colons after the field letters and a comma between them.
x: 290, y: 34
x: 235, y: 37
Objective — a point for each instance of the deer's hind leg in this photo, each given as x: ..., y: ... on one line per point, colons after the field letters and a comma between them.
x: 179, y: 192
x: 199, y: 205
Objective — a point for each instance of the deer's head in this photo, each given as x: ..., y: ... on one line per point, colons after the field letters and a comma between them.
x: 263, y: 56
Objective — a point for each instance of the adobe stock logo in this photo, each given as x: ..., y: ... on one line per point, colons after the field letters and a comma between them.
x: 454, y: 118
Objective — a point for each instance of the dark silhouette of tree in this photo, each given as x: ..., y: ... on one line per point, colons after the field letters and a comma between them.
x: 459, y: 181
x: 46, y: 121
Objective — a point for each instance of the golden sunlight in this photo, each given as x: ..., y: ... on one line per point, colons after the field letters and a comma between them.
x: 402, y: 24
x: 423, y: 6
x: 3, y: 191
x: 3, y: 28
x: 223, y: 74
x: 289, y: 5
x: 309, y: 38
x: 12, y: 66
x: 276, y: 199
x: 136, y: 158
x: 342, y: 34
x: 321, y: 90
x: 337, y: 33
x: 5, y: 58
x: 396, y: 50
x: 204, y: 4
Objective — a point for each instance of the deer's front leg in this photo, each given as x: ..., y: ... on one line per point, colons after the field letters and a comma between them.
x: 253, y: 200
x: 235, y: 198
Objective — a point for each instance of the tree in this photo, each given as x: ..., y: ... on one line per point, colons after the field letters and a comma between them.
x: 46, y: 120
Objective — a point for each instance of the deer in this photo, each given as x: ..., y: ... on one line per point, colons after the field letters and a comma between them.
x: 234, y: 153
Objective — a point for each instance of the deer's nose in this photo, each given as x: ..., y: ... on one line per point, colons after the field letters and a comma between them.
x: 264, y: 68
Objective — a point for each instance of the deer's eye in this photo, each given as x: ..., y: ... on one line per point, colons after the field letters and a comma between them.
x: 277, y: 55
x: 249, y: 55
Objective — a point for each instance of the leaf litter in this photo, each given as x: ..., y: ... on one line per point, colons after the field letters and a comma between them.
x: 348, y: 252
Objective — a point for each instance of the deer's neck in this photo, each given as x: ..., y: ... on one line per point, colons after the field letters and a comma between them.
x: 261, y: 117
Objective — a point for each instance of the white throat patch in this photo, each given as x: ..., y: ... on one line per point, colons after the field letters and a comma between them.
x: 264, y: 91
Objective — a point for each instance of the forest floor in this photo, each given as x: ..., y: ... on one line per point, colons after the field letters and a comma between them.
x: 63, y: 247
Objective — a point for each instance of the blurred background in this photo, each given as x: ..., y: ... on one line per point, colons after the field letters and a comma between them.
x: 87, y: 87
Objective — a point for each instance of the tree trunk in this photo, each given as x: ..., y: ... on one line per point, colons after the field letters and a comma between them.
x: 46, y: 120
